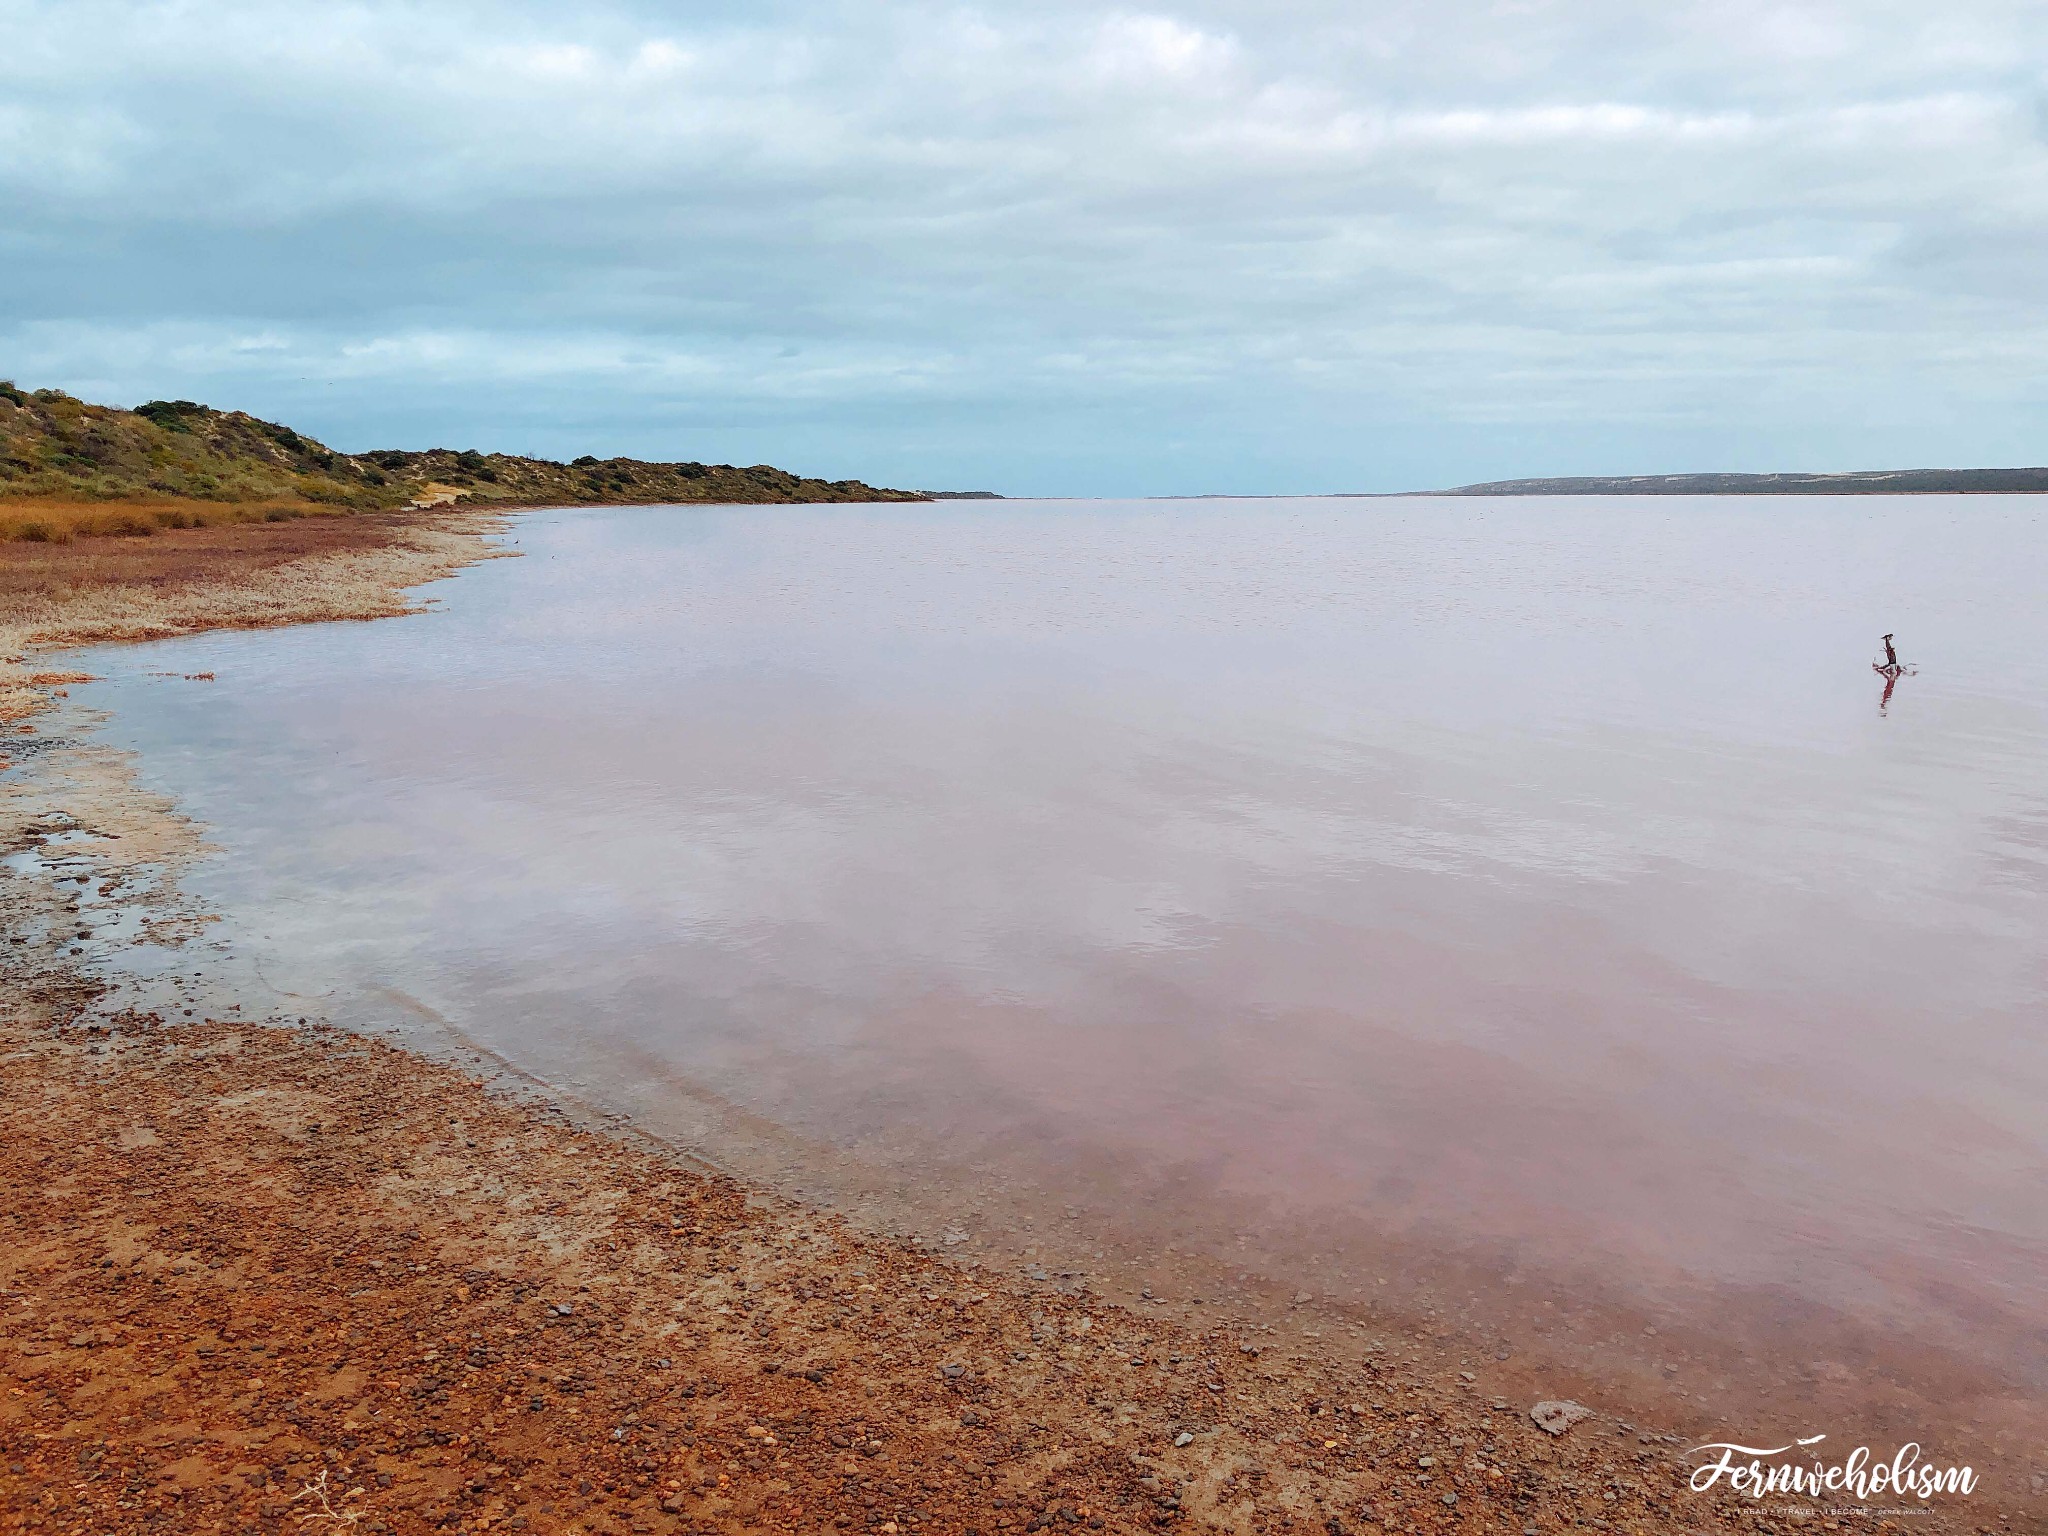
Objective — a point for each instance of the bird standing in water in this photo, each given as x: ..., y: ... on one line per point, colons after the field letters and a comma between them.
x: 1891, y: 657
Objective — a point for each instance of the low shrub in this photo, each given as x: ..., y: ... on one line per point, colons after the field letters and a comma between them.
x: 171, y: 414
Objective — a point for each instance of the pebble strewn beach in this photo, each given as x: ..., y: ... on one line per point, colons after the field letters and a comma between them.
x: 255, y: 1273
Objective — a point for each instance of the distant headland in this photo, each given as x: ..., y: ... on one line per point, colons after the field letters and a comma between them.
x: 1871, y: 482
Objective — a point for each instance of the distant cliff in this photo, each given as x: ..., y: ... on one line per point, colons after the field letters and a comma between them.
x: 1873, y: 482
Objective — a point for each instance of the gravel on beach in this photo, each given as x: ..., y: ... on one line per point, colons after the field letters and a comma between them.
x: 265, y: 1278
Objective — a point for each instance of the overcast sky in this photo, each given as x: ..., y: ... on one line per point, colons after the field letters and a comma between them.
x: 1050, y: 247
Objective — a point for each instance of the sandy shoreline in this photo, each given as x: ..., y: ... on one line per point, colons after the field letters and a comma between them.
x: 244, y: 1255
x: 239, y: 576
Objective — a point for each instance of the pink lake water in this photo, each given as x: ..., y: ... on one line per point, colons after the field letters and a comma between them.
x: 1521, y: 928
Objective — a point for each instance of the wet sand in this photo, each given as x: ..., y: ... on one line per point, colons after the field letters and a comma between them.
x: 252, y: 1267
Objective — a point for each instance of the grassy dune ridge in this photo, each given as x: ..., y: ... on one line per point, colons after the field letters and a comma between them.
x: 71, y: 469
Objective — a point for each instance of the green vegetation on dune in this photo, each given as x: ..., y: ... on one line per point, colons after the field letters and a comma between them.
x: 506, y: 478
x: 52, y: 445
x: 60, y: 448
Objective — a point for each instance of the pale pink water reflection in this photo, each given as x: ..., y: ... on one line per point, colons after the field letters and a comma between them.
x: 1512, y: 910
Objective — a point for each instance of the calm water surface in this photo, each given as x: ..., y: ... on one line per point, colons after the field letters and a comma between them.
x: 1519, y: 912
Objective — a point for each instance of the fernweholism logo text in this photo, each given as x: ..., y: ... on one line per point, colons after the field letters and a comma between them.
x: 1755, y: 1472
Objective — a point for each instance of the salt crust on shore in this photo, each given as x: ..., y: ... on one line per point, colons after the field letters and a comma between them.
x: 367, y: 583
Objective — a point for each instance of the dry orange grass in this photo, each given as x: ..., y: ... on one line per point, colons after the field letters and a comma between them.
x: 45, y: 520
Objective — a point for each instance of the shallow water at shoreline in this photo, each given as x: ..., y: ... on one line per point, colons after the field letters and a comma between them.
x: 1513, y: 913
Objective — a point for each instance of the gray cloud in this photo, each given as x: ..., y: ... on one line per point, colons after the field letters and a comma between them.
x: 1057, y: 247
